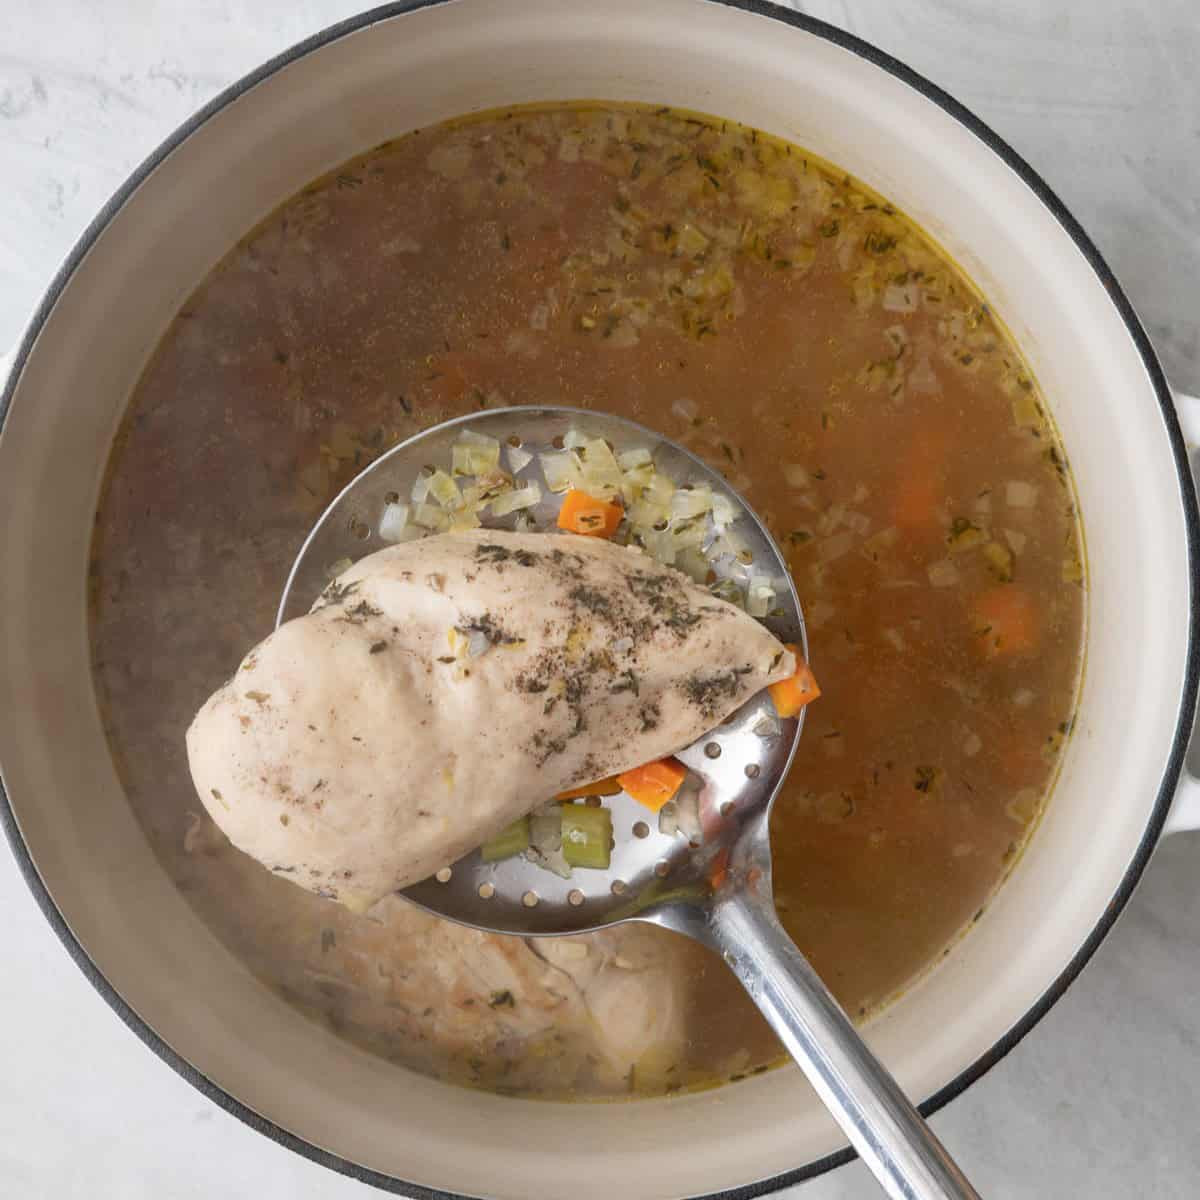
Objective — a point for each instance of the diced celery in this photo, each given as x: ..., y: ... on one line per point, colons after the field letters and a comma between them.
x: 587, y: 836
x: 507, y: 843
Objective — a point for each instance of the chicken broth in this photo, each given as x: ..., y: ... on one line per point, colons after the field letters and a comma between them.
x: 775, y: 317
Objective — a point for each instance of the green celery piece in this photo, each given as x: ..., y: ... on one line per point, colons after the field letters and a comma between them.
x: 587, y: 836
x: 508, y: 842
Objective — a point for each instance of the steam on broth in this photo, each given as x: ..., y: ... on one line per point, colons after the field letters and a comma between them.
x: 778, y: 319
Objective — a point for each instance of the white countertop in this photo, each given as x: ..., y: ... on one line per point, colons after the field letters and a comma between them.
x: 1104, y: 99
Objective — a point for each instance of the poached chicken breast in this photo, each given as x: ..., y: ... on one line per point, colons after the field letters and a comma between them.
x: 440, y: 689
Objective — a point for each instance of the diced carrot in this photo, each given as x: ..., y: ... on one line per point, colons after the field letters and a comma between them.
x: 602, y: 787
x: 1006, y: 620
x: 581, y: 513
x: 792, y: 694
x: 655, y: 783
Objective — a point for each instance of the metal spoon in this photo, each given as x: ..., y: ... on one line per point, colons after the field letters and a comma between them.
x: 656, y: 877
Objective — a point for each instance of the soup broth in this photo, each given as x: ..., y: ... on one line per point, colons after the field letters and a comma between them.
x: 775, y: 317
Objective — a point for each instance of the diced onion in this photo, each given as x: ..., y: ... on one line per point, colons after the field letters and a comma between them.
x: 336, y: 568
x: 760, y: 597
x: 1019, y: 494
x: 600, y: 473
x: 943, y: 574
x: 724, y: 513
x: 420, y: 487
x: 561, y: 469
x: 691, y: 502
x: 900, y: 298
x: 429, y: 516
x: 795, y: 475
x: 835, y: 547
x: 668, y: 819
x: 518, y: 459
x: 478, y: 643
x: 972, y: 745
x: 393, y: 522
x: 860, y: 523
x: 637, y: 457
x: 444, y: 490
x: 514, y: 501
x: 1015, y: 540
x: 685, y: 410
x: 1023, y: 697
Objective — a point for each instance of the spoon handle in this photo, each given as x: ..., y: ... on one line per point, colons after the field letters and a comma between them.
x: 883, y: 1126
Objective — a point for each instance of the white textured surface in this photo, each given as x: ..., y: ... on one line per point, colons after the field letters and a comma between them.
x: 1104, y: 99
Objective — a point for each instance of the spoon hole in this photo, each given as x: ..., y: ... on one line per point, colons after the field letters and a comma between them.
x: 712, y: 750
x: 487, y: 891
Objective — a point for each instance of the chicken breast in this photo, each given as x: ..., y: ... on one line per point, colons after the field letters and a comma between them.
x: 440, y: 689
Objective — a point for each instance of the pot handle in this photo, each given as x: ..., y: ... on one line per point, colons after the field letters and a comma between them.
x: 1185, y: 811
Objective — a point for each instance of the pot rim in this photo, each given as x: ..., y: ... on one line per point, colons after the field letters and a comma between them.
x: 1188, y: 696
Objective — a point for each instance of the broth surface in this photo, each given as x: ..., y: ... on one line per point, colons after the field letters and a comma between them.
x: 752, y: 303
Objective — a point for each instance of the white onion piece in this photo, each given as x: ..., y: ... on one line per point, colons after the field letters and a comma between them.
x: 393, y: 522
x: 420, y: 487
x: 835, y: 547
x: 600, y: 472
x: 943, y: 574
x: 972, y: 745
x: 795, y: 475
x: 685, y: 410
x: 900, y: 298
x: 1019, y: 494
x: 428, y: 516
x: 518, y: 459
x: 561, y: 469
x: 724, y: 513
x: 639, y: 456
x: 668, y: 819
x: 691, y: 502
x: 1015, y: 540
x: 337, y: 567
x: 1023, y: 697
x: 514, y: 501
x: 760, y: 597
x: 444, y: 490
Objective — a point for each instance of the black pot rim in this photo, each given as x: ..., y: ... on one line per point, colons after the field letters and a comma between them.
x: 1187, y: 706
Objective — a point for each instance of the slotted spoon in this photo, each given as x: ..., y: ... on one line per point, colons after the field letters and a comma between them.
x: 654, y: 876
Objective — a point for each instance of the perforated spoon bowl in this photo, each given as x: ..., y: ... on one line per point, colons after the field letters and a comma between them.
x: 716, y: 887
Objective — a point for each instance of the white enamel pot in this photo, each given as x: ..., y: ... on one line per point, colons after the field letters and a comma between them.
x: 411, y: 65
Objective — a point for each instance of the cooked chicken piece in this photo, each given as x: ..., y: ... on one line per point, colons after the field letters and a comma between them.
x: 440, y: 689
